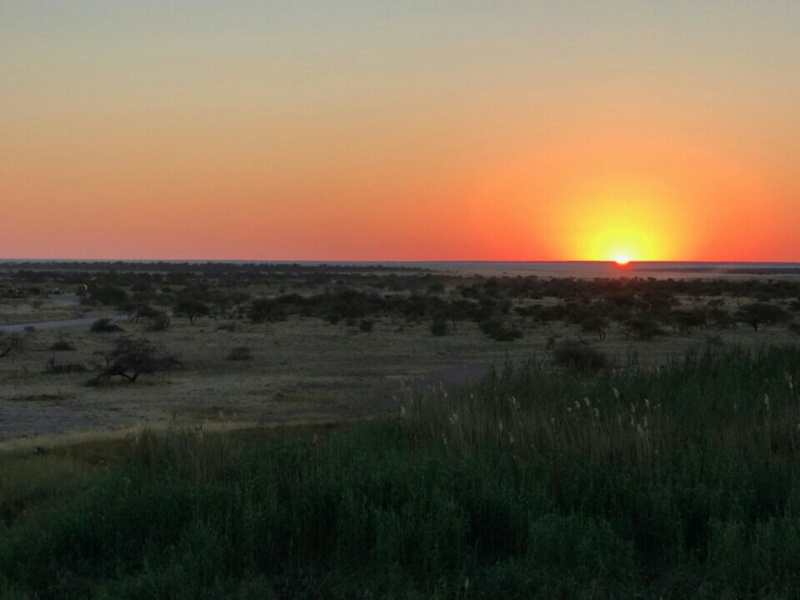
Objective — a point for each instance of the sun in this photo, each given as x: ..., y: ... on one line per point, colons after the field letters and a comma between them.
x: 622, y: 259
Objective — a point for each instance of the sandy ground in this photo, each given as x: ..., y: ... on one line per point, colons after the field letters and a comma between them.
x: 303, y: 370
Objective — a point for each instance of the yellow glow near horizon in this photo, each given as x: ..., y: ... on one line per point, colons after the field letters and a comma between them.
x: 625, y: 221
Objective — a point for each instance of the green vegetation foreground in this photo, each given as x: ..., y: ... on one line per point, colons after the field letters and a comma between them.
x: 680, y: 481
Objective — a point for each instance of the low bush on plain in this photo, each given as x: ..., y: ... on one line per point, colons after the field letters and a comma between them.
x: 105, y: 326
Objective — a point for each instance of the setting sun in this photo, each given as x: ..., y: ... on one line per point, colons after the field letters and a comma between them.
x: 622, y: 260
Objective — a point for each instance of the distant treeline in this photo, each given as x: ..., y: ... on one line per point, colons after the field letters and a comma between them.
x: 206, y: 268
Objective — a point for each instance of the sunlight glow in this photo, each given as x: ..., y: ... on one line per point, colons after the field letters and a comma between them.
x: 624, y: 221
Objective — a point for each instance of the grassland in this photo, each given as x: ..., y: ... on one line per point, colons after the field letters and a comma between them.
x: 668, y: 469
x: 643, y: 482
x: 311, y: 362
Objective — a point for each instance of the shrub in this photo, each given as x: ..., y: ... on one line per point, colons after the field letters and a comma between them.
x: 105, y: 326
x: 576, y: 355
x: 192, y: 309
x: 240, y: 353
x: 366, y: 325
x: 761, y: 313
x: 131, y: 358
x: 159, y: 322
x: 11, y: 346
x: 62, y: 346
x: 265, y: 309
x: 642, y: 328
x: 439, y: 327
x: 596, y: 325
x: 500, y: 330
x: 30, y: 329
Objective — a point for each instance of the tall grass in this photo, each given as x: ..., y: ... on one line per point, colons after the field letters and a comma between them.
x: 674, y: 482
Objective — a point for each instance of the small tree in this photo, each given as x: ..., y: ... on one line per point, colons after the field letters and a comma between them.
x: 191, y: 308
x: 133, y: 357
x: 596, y: 325
x: 761, y: 313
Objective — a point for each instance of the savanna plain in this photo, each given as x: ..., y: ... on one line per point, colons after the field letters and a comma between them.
x: 221, y: 430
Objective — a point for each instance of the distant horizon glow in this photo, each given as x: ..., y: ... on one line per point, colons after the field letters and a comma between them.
x: 380, y: 131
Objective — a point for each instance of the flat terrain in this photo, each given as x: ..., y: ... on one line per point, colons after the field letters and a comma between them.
x: 303, y: 370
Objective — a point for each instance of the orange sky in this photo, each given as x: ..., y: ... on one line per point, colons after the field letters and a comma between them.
x: 372, y: 131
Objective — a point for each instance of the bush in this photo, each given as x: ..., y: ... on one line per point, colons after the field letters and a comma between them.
x: 62, y: 346
x: 192, y: 309
x: 439, y: 327
x: 760, y: 314
x: 581, y: 357
x: 596, y: 325
x: 105, y: 326
x: 160, y: 322
x: 642, y: 328
x: 366, y: 325
x: 500, y: 330
x: 240, y: 353
x: 131, y: 358
x: 30, y: 329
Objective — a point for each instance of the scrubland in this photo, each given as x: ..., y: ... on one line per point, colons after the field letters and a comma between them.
x: 666, y: 468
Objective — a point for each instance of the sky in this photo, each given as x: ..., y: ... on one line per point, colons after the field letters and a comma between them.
x: 418, y: 130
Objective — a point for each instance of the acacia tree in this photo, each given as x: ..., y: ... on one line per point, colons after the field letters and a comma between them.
x: 761, y: 313
x: 133, y: 357
x: 192, y: 308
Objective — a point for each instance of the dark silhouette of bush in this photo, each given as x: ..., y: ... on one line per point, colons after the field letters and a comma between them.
x: 109, y: 295
x: 500, y: 330
x: 596, y: 325
x: 793, y: 327
x: 266, y: 309
x: 439, y: 326
x: 62, y: 346
x: 192, y: 309
x: 760, y: 314
x: 366, y: 325
x: 105, y: 326
x: 159, y: 321
x: 683, y: 321
x: 11, y: 345
x: 575, y: 355
x: 133, y: 357
x: 240, y: 353
x: 642, y: 328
